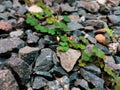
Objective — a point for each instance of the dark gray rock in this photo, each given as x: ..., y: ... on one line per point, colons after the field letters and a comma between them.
x: 96, y: 23
x: 7, y: 81
x: 73, y: 77
x: 83, y: 83
x: 110, y: 63
x: 48, y: 40
x: 43, y: 73
x: 21, y: 69
x: 67, y: 8
x: 46, y: 60
x: 117, y: 59
x: 2, y: 8
x: 58, y: 1
x: 60, y: 83
x: 74, y: 26
x: 114, y: 19
x: 39, y: 82
x: 90, y: 77
x: 31, y: 38
x: 7, y: 45
x: 28, y: 54
x: 103, y: 48
x: 93, y: 68
x: 59, y: 71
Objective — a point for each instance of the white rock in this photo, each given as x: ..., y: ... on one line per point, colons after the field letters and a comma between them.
x: 17, y: 33
x: 101, y: 1
x: 69, y: 58
x: 35, y: 8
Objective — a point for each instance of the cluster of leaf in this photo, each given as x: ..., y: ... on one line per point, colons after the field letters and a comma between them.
x: 66, y: 43
x: 36, y: 19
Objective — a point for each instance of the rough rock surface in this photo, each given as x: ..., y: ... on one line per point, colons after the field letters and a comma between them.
x: 69, y: 58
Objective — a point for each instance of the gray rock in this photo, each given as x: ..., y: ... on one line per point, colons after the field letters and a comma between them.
x: 17, y: 33
x: 28, y: 54
x: 31, y: 38
x: 46, y: 60
x: 2, y: 8
x: 114, y: 19
x: 69, y: 58
x: 110, y: 63
x: 7, y: 45
x: 91, y: 6
x: 93, y: 68
x: 20, y: 68
x: 89, y: 28
x: 4, y: 15
x: 43, y: 73
x: 116, y: 10
x: 60, y: 83
x: 7, y: 81
x: 22, y: 10
x: 39, y: 82
x: 41, y: 43
x: 16, y: 4
x: 91, y: 39
x: 74, y: 26
x: 83, y: 83
x: 8, y: 4
x: 81, y: 11
x: 67, y: 8
x: 96, y: 81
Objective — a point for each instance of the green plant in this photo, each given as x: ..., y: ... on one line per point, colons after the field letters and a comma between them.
x: 109, y: 32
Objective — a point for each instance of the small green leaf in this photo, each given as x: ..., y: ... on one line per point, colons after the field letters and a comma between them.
x: 66, y: 19
x: 100, y: 54
x: 95, y: 49
x: 85, y: 41
x: 63, y: 44
x: 64, y: 38
x: 82, y: 46
x: 50, y: 20
x: 81, y: 63
x: 86, y: 56
x: 109, y: 72
x: 51, y: 31
x: 63, y: 49
x: 109, y: 31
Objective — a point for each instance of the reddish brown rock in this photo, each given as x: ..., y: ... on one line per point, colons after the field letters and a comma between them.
x: 7, y: 81
x: 101, y: 39
x: 5, y: 26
